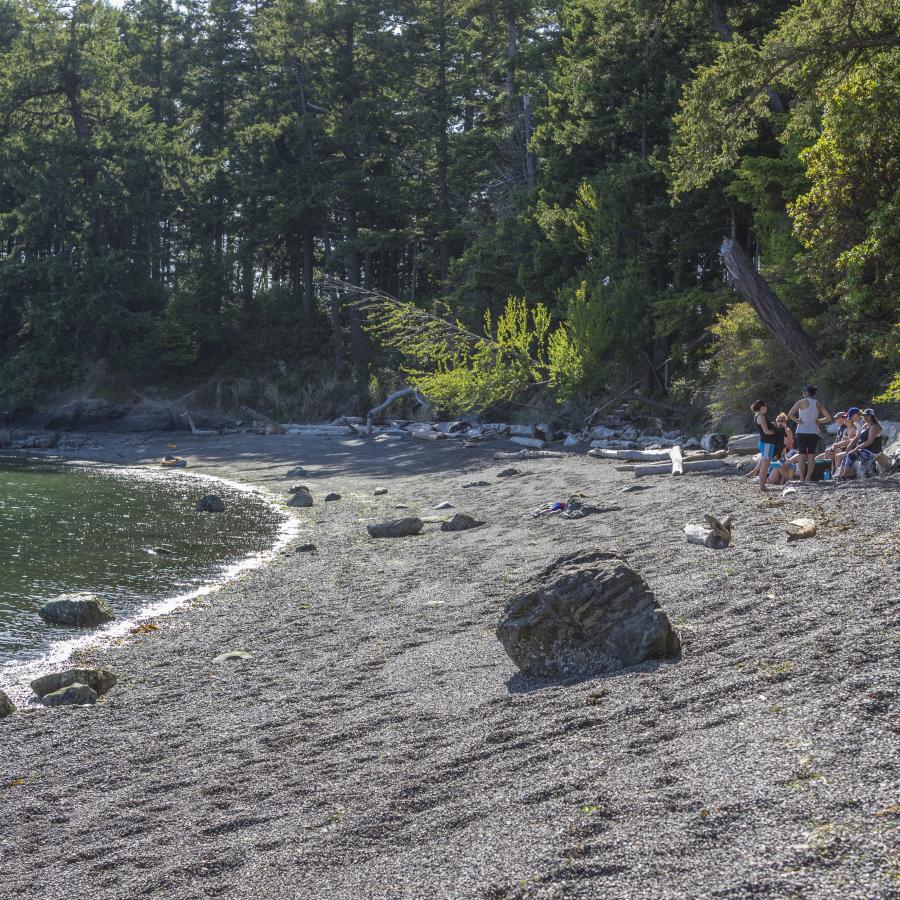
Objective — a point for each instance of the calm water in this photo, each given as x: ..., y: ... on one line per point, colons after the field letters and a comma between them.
x: 131, y: 535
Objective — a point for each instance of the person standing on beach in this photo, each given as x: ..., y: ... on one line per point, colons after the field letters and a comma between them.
x: 767, y: 440
x: 809, y: 414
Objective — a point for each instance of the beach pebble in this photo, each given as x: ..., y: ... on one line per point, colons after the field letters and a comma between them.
x: 233, y: 656
x: 302, y: 499
x: 210, y: 503
x: 73, y: 695
x: 294, y: 488
x: 461, y: 522
x: 297, y: 472
x: 508, y: 473
x: 77, y: 610
x: 330, y: 498
x: 398, y: 528
x: 306, y: 548
x: 444, y: 505
x: 380, y: 492
x: 98, y: 680
x: 474, y: 484
x: 7, y: 707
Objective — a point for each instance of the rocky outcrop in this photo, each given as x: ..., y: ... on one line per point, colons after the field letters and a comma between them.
x: 210, y: 503
x: 77, y: 611
x: 461, y: 522
x: 98, y: 680
x: 397, y: 528
x: 73, y: 695
x: 587, y: 613
x: 7, y: 707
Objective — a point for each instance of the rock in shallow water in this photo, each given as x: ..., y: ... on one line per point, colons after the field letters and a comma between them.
x: 73, y: 695
x: 210, y: 503
x: 7, y: 707
x: 587, y: 613
x: 398, y: 528
x: 98, y: 680
x: 77, y: 610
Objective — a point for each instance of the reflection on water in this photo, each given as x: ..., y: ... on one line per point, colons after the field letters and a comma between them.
x: 132, y: 535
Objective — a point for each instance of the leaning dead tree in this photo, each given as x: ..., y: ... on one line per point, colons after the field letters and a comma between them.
x: 773, y: 313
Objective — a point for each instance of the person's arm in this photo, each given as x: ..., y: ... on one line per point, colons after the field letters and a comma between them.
x: 792, y: 415
x: 824, y: 416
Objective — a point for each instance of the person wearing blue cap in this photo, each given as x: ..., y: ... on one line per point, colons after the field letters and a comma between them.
x: 809, y: 414
x: 846, y: 432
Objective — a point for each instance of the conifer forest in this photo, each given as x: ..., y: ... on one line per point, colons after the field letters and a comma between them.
x: 689, y: 201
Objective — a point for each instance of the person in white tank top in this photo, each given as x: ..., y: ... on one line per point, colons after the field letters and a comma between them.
x: 809, y: 414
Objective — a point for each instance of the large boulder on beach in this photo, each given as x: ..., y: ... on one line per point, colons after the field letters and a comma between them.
x: 587, y: 613
x: 397, y: 528
x: 7, y: 707
x: 210, y: 503
x: 77, y: 610
x: 713, y: 442
x: 98, y: 680
x: 73, y: 695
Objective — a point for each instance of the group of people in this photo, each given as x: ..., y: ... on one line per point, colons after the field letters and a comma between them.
x: 786, y: 454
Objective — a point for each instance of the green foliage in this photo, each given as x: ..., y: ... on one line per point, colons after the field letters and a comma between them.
x: 461, y: 371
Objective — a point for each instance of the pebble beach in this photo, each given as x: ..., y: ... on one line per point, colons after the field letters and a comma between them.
x: 374, y: 740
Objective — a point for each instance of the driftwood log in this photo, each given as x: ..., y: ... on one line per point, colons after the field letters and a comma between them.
x: 376, y: 411
x: 529, y: 454
x: 714, y: 534
x: 700, y: 465
x: 677, y: 461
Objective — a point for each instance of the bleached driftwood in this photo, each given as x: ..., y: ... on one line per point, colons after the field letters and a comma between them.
x: 743, y: 444
x: 534, y: 443
x: 423, y: 434
x: 397, y: 395
x: 271, y: 426
x: 528, y: 454
x: 699, y: 465
x: 714, y: 534
x: 193, y: 427
x: 653, y: 455
x: 677, y: 460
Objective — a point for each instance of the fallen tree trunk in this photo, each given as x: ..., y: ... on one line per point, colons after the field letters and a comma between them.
x: 700, y: 465
x: 677, y: 461
x: 771, y: 311
x: 397, y: 395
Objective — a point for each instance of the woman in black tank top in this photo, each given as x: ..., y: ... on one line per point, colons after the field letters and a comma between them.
x: 865, y: 446
x: 767, y: 440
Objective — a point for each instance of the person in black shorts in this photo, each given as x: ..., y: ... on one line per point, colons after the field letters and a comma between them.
x: 809, y: 414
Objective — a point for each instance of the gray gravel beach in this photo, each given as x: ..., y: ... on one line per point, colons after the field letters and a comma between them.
x: 379, y: 743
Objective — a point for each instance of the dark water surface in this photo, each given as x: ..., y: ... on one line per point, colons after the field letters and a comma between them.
x: 132, y: 535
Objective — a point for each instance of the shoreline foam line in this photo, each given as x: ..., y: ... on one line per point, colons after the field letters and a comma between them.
x: 16, y: 677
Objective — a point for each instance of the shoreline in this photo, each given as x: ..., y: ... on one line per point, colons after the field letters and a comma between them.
x: 379, y: 743
x: 62, y: 653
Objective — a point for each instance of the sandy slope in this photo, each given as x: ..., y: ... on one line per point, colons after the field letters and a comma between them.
x: 381, y: 744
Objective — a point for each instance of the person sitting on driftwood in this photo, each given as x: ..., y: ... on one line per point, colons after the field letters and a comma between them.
x: 767, y: 440
x: 846, y: 432
x: 865, y: 446
x: 809, y: 414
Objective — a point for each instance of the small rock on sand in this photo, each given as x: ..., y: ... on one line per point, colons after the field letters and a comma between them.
x: 297, y: 487
x: 73, y: 695
x: 77, y: 610
x: 444, y: 505
x: 397, y: 528
x: 461, y: 522
x: 330, y: 498
x: 474, y: 484
x: 233, y: 656
x: 380, y: 492
x: 210, y: 503
x: 306, y: 548
x: 297, y: 472
x: 302, y: 499
x: 7, y: 707
x: 98, y: 680
x: 508, y: 473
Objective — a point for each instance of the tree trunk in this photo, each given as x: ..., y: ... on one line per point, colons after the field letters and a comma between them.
x: 308, y: 263
x: 773, y: 313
